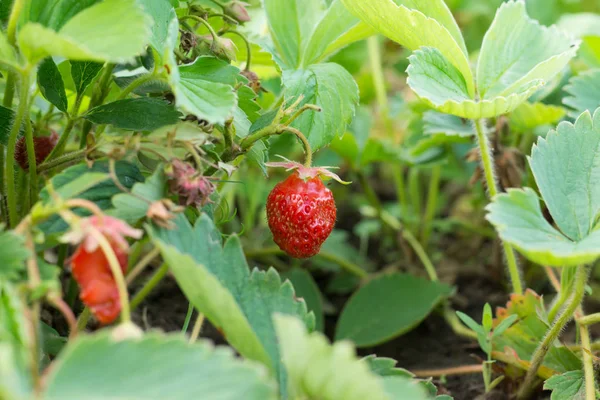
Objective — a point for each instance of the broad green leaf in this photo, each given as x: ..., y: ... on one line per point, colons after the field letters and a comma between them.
x: 100, y: 194
x: 162, y: 12
x: 156, y: 366
x: 136, y: 114
x: 531, y: 115
x: 330, y: 87
x: 431, y: 25
x: 566, y: 167
x: 522, y: 339
x: 209, y: 296
x: 336, y: 29
x: 379, y: 310
x: 384, y: 366
x: 583, y: 90
x: 567, y: 386
x: 98, y: 33
x: 436, y: 81
x: 7, y: 52
x: 205, y: 89
x: 321, y: 370
x: 306, y: 288
x: 291, y: 23
x: 131, y: 207
x: 15, y: 382
x: 258, y: 294
x: 13, y: 255
x: 517, y: 50
x: 518, y: 218
x: 55, y: 13
x: 581, y: 24
x: 80, y: 184
x: 51, y: 84
x: 83, y: 73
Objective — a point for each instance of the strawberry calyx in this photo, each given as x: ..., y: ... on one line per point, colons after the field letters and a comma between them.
x: 307, y: 173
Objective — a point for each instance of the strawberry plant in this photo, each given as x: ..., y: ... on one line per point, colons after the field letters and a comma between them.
x: 278, y: 199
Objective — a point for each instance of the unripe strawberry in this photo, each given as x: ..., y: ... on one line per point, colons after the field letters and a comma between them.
x: 301, y: 211
x: 43, y: 146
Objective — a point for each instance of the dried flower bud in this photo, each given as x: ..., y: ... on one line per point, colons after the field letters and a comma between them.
x: 43, y: 146
x: 186, y: 182
x: 253, y: 81
x: 162, y: 212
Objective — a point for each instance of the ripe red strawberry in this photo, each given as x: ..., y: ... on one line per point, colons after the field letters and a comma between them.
x: 43, y: 146
x: 98, y: 289
x: 301, y: 211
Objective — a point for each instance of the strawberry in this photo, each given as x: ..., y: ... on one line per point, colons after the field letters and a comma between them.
x: 43, y: 146
x: 91, y: 268
x: 301, y: 211
x: 98, y: 289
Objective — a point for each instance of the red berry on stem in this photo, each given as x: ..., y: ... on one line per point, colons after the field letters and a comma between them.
x: 98, y: 288
x: 301, y: 213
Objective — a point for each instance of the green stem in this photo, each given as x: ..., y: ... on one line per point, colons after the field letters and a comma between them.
x: 369, y: 192
x: 202, y: 21
x: 401, y: 190
x: 554, y: 331
x: 67, y: 158
x: 375, y: 59
x: 566, y: 283
x: 488, y: 169
x: 341, y: 262
x: 589, y: 319
x: 100, y: 92
x: 588, y: 363
x: 13, y: 20
x: 248, y: 49
x: 430, y: 208
x: 9, y: 90
x: 11, y: 193
x: 31, y: 159
x: 149, y: 286
x: 188, y: 318
x: 83, y: 319
x: 414, y: 243
x: 136, y: 83
x: 303, y: 139
x: 197, y: 328
x: 64, y: 137
x: 414, y: 191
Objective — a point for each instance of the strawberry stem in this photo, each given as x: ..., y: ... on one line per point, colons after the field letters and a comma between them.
x: 303, y: 139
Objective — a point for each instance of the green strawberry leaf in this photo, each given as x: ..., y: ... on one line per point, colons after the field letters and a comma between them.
x: 306, y: 288
x: 517, y: 51
x: 98, y: 33
x: 130, y: 206
x: 518, y: 218
x: 13, y: 255
x: 255, y: 295
x: 83, y: 73
x: 136, y: 114
x: 570, y: 185
x: 431, y: 24
x: 441, y: 85
x: 337, y: 28
x: 291, y: 23
x: 54, y: 14
x: 531, y: 115
x: 320, y: 370
x: 100, y: 193
x: 330, y: 87
x: 51, y: 84
x: 15, y: 379
x: 567, y: 386
x: 162, y: 13
x: 205, y: 88
x: 374, y: 314
x: 157, y: 366
x: 583, y: 90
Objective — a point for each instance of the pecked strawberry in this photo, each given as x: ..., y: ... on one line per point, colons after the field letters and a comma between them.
x: 301, y: 211
x: 90, y: 266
